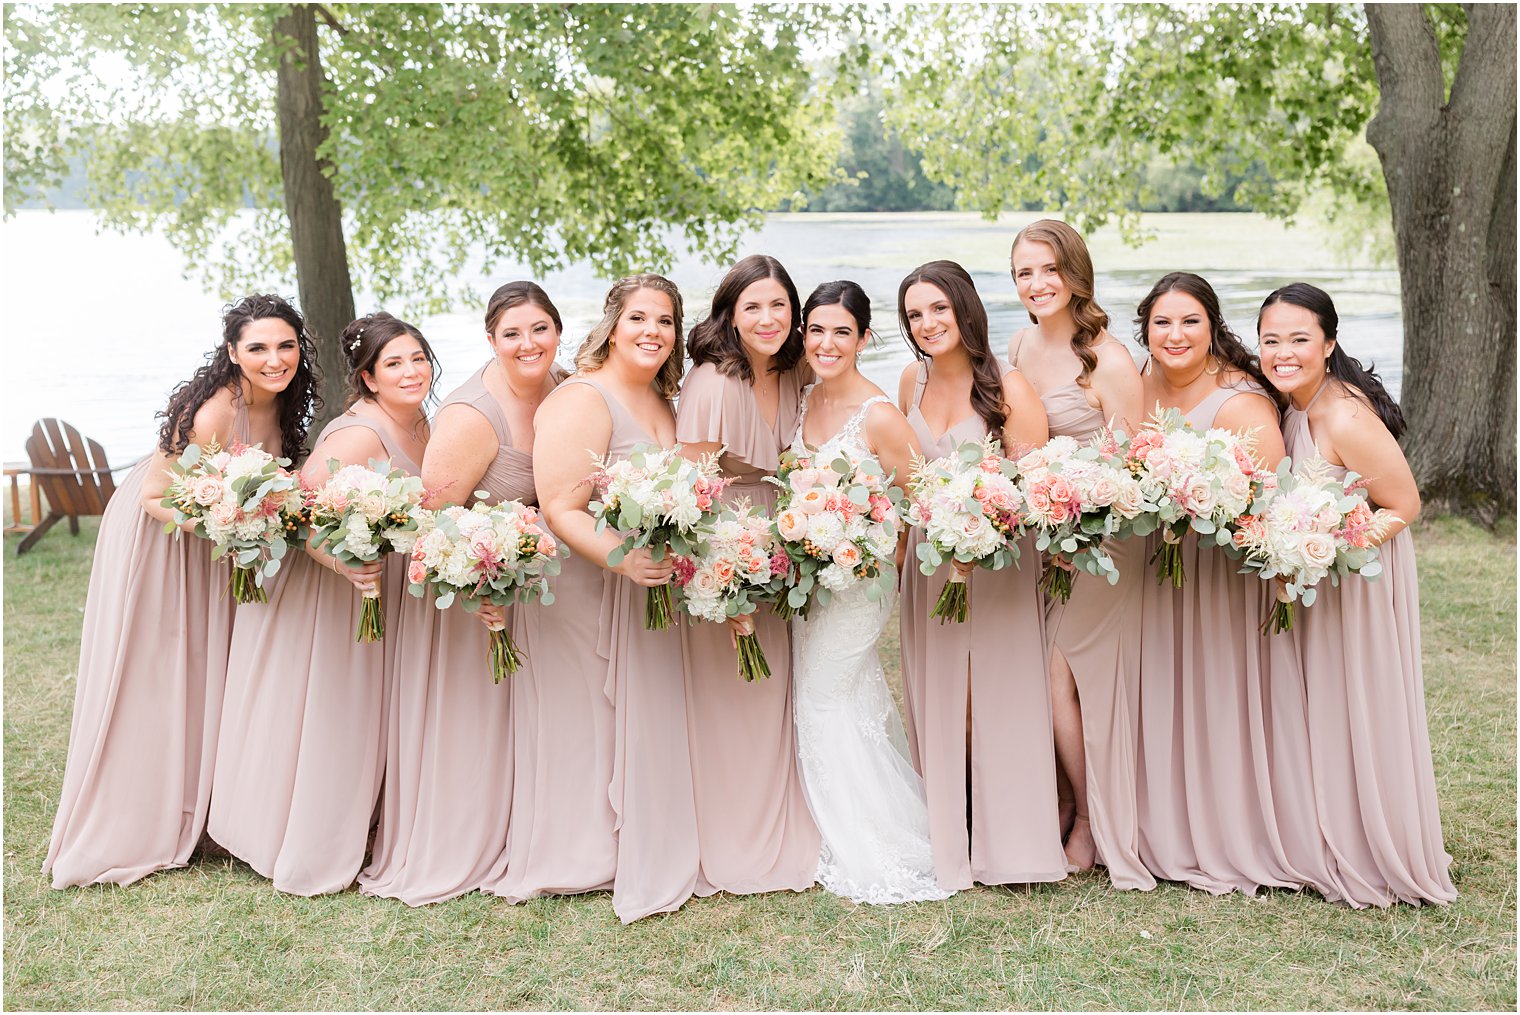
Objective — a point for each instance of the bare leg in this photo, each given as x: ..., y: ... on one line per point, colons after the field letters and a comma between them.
x: 1081, y: 851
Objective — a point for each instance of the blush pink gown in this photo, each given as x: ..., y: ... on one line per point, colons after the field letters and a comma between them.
x: 1098, y: 633
x: 991, y: 664
x: 561, y: 838
x: 1212, y: 737
x: 152, y: 666
x: 447, y: 796
x: 302, y: 745
x: 652, y: 794
x: 1374, y: 780
x: 753, y: 825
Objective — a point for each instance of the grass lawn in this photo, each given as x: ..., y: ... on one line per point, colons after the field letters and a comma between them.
x: 216, y: 936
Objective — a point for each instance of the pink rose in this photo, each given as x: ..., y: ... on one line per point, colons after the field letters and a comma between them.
x: 416, y: 572
x: 483, y: 545
x: 224, y: 513
x: 1060, y: 490
x: 1318, y: 550
x: 547, y: 546
x: 206, y: 491
x: 804, y: 479
x: 723, y: 570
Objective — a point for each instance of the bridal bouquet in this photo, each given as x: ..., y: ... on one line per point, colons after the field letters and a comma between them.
x: 739, y: 564
x: 360, y: 513
x: 969, y: 507
x: 1193, y: 480
x: 235, y: 497
x: 499, y: 555
x: 1075, y: 495
x: 838, y: 521
x: 1307, y: 524
x: 660, y: 500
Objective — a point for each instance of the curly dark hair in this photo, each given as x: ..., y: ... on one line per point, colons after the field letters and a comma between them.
x: 971, y: 318
x: 714, y: 339
x: 366, y: 338
x: 1346, y: 368
x: 298, y: 402
x: 1224, y: 344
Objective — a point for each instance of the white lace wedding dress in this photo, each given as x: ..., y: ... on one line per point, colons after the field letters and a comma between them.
x: 860, y: 786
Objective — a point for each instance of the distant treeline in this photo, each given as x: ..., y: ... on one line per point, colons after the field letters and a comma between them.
x: 883, y: 174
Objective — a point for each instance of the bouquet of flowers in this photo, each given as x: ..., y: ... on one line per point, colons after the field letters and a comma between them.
x: 838, y: 521
x: 360, y: 513
x: 1198, y: 481
x: 660, y: 500
x: 1074, y: 495
x: 499, y: 555
x: 740, y: 563
x: 235, y: 498
x: 1307, y: 524
x: 969, y: 507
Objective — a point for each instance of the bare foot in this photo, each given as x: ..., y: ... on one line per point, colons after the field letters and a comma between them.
x: 1081, y: 851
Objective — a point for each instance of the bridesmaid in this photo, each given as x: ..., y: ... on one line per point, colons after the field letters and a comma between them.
x: 741, y: 396
x: 301, y: 752
x: 1374, y: 781
x: 158, y: 619
x: 627, y: 371
x: 1087, y: 381
x: 1211, y: 712
x: 448, y: 746
x: 560, y: 838
x: 980, y: 734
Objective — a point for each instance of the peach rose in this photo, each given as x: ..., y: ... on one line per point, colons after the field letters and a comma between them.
x: 791, y: 525
x: 847, y: 555
x: 812, y: 501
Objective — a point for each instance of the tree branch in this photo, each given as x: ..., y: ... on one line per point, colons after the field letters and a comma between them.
x: 328, y: 17
x: 1411, y: 84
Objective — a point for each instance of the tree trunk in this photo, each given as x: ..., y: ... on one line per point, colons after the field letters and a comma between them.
x: 1450, y: 168
x: 316, y: 220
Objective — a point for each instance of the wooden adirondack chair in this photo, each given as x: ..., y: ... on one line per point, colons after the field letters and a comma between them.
x: 72, y: 473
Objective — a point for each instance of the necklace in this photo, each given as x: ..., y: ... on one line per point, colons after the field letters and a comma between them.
x: 412, y: 431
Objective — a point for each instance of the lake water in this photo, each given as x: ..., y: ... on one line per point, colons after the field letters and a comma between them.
x: 100, y: 327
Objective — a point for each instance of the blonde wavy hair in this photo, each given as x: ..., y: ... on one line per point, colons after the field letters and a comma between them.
x: 1075, y: 266
x: 595, y: 349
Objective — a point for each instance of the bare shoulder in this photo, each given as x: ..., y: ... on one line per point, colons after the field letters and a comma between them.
x: 461, y: 420
x: 1114, y: 357
x: 885, y: 418
x: 1350, y: 417
x: 1017, y: 339
x: 215, y: 419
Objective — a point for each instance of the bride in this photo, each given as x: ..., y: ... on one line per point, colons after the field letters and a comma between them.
x: 865, y: 796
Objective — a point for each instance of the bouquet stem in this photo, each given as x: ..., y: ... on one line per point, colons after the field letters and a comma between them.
x: 657, y: 608
x: 783, y: 608
x: 752, y: 664
x: 245, y: 585
x: 953, y: 600
x: 1279, y: 618
x: 1169, y: 568
x: 371, y: 620
x: 1056, y: 582
x: 505, y: 658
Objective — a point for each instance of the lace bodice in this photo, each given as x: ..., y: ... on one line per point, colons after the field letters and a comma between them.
x: 850, y: 438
